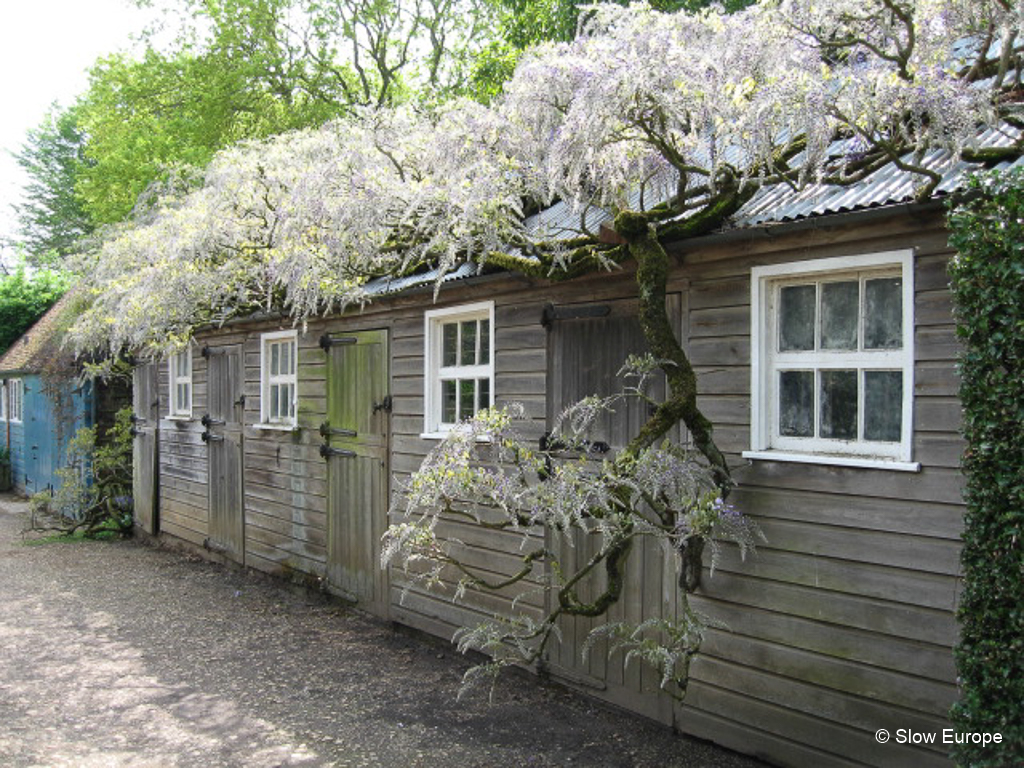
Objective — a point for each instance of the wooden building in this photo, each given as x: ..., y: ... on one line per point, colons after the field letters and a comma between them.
x: 43, y: 403
x: 822, y: 331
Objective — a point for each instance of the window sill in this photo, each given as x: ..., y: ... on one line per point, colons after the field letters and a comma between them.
x: 443, y: 435
x: 276, y: 427
x: 835, y: 461
x: 178, y: 417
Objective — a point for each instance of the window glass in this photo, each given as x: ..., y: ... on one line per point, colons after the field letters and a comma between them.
x: 840, y: 308
x: 883, y: 401
x: 839, y: 405
x: 796, y: 318
x: 796, y: 403
x: 883, y: 313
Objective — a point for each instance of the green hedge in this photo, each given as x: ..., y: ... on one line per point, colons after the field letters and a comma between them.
x: 987, y: 225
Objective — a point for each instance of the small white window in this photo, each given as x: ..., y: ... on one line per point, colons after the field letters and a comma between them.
x: 181, y: 384
x: 16, y: 399
x: 458, y: 365
x: 832, y: 361
x: 279, y: 381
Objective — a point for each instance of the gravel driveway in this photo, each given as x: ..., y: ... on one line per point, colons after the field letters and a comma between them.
x: 116, y: 654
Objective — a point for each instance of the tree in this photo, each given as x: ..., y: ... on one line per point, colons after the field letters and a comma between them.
x: 52, y: 220
x: 668, y: 123
x: 24, y: 298
x: 249, y: 69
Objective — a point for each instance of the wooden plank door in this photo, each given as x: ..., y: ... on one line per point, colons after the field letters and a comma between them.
x: 586, y: 349
x: 355, y: 446
x: 223, y: 438
x: 145, y: 447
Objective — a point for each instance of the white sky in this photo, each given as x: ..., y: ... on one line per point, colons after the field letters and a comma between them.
x: 46, y: 48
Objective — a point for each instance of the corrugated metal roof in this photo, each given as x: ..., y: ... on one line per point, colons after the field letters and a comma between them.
x: 780, y: 203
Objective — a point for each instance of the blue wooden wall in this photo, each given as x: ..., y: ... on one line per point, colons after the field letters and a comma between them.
x: 39, y: 442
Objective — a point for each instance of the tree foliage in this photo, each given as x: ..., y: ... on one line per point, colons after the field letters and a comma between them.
x: 988, y: 282
x: 24, y: 298
x: 660, y: 124
x: 52, y: 219
x: 248, y: 69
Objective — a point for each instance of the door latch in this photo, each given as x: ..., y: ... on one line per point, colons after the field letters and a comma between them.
x: 383, y: 405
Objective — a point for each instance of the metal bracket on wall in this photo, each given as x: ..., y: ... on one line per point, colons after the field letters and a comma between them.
x: 326, y: 430
x: 326, y: 452
x: 327, y: 341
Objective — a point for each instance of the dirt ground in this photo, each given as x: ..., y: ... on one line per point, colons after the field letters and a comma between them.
x: 118, y: 654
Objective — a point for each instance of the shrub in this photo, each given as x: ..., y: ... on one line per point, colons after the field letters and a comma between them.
x: 987, y: 228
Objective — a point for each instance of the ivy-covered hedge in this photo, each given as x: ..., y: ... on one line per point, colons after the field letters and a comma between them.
x: 987, y: 227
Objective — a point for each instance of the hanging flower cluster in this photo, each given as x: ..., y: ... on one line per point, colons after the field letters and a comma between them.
x: 643, y: 111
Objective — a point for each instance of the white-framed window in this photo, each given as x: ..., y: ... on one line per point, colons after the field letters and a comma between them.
x: 279, y: 378
x: 3, y: 400
x: 16, y: 399
x: 832, y: 361
x: 180, y: 367
x: 458, y: 365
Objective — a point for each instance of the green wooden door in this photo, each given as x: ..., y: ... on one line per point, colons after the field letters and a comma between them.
x: 223, y: 437
x: 146, y: 413
x: 355, y: 446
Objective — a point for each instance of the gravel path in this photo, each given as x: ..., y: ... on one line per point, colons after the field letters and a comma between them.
x: 116, y: 654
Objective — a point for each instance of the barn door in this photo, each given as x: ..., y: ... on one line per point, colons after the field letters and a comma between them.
x: 146, y: 415
x: 223, y: 438
x: 587, y: 346
x: 355, y: 447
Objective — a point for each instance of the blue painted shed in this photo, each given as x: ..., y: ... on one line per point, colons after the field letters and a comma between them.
x: 43, y: 404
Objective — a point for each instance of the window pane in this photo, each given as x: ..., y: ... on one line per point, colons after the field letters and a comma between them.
x: 448, y: 395
x: 467, y: 398
x: 883, y: 313
x: 840, y: 308
x: 275, y: 365
x: 485, y: 342
x: 839, y: 404
x: 275, y: 408
x: 883, y: 405
x: 468, y: 356
x: 796, y: 318
x: 449, y: 343
x: 483, y: 393
x: 294, y: 357
x: 288, y: 400
x: 796, y: 403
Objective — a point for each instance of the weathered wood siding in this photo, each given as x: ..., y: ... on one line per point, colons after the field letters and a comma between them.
x: 842, y: 624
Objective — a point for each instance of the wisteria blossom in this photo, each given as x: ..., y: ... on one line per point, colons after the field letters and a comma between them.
x: 650, y: 111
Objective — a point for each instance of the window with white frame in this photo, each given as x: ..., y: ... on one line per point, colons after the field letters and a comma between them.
x: 279, y: 379
x: 3, y: 400
x: 832, y: 360
x: 459, y: 364
x: 181, y: 383
x: 15, y: 399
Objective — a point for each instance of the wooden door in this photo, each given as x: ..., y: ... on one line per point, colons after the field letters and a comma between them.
x: 355, y: 446
x: 145, y: 447
x: 587, y: 346
x: 223, y: 438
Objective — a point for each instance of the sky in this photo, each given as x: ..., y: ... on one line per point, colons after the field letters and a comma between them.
x: 46, y: 48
